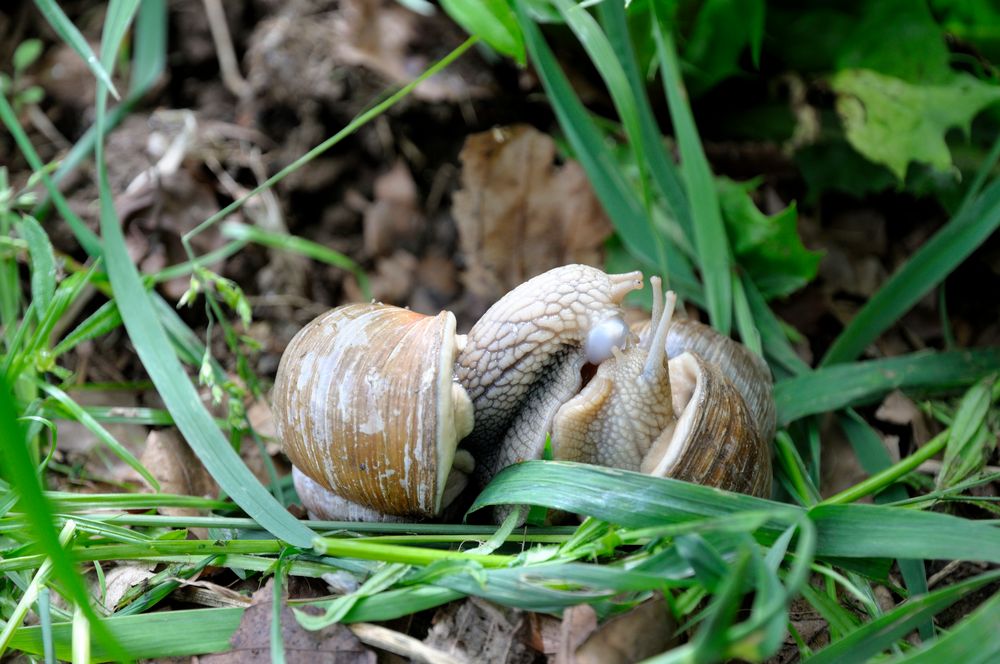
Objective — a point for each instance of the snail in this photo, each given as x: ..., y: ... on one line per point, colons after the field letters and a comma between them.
x: 371, y: 401
x: 682, y: 401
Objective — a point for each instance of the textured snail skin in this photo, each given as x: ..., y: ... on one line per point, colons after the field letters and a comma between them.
x: 522, y: 360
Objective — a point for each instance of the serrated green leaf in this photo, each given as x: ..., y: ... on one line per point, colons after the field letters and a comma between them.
x: 897, y: 38
x: 767, y: 247
x: 493, y: 21
x: 893, y: 122
x: 717, y: 42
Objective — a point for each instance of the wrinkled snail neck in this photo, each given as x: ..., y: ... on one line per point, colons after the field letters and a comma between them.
x: 523, y: 358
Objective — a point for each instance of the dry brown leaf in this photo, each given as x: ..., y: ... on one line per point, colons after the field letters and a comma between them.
x: 646, y: 630
x: 120, y: 578
x: 392, y: 220
x: 251, y: 642
x: 380, y: 35
x: 578, y: 623
x: 520, y: 213
x: 479, y: 631
x: 177, y: 469
x: 897, y: 408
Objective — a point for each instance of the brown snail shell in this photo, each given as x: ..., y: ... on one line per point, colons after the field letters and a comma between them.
x: 366, y: 407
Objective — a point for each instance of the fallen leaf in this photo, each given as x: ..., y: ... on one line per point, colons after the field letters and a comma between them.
x: 251, y: 642
x: 174, y: 465
x: 392, y: 220
x: 645, y: 631
x: 120, y: 578
x: 480, y: 631
x: 578, y: 623
x: 520, y: 212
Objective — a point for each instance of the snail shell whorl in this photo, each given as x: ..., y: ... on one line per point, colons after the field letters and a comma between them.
x: 365, y: 405
x: 747, y: 370
x: 715, y: 441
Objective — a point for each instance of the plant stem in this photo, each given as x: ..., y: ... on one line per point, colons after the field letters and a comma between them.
x: 883, y: 479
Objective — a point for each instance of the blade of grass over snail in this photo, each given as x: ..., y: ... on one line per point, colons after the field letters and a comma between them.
x: 634, y: 500
x: 711, y: 244
x: 159, y: 359
x: 928, y: 266
x: 864, y: 382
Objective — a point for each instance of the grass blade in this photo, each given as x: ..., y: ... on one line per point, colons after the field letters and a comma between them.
x: 874, y: 637
x: 619, y: 201
x: 926, y: 268
x: 623, y: 96
x: 299, y: 245
x: 43, y: 263
x: 975, y: 640
x: 634, y: 500
x: 71, y: 36
x: 18, y: 469
x: 709, y: 232
x: 865, y: 382
x: 85, y: 418
x: 157, y: 355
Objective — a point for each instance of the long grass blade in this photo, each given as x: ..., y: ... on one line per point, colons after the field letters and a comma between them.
x: 158, y: 357
x: 18, y: 469
x: 74, y: 39
x: 874, y: 637
x: 634, y: 500
x: 934, y: 261
x: 976, y: 640
x: 864, y: 382
x: 709, y: 232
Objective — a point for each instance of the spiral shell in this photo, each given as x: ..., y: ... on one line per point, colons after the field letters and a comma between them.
x: 366, y: 406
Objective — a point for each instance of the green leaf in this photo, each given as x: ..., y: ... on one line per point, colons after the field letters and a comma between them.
x: 717, y: 42
x: 893, y: 122
x: 43, y: 263
x: 71, y: 36
x: 865, y: 382
x: 769, y: 248
x: 897, y: 38
x: 26, y: 53
x: 493, y: 21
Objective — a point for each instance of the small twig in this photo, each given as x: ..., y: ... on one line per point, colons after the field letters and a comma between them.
x: 401, y: 644
x: 231, y: 76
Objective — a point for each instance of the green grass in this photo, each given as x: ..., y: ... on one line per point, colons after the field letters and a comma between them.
x: 730, y: 564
